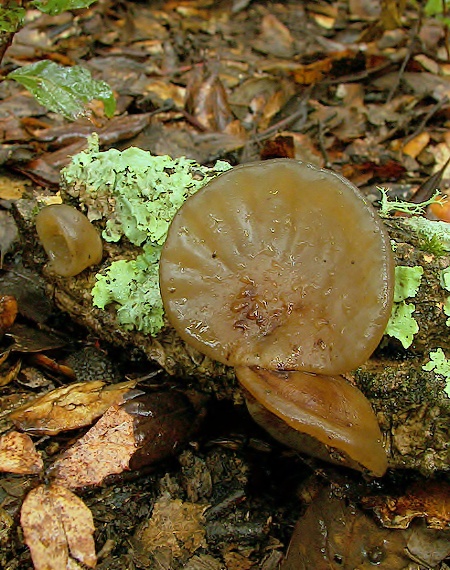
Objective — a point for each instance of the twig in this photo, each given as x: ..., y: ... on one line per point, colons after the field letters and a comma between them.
x: 406, y: 59
x: 437, y: 107
x: 322, y: 148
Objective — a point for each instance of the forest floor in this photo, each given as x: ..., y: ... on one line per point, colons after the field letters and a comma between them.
x: 348, y: 85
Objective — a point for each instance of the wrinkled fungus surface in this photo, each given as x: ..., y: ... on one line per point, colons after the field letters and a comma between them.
x: 280, y: 265
x: 71, y: 242
x: 324, y: 416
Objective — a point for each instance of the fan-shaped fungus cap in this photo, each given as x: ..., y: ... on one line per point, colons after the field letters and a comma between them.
x: 71, y: 242
x: 281, y: 265
x: 324, y: 416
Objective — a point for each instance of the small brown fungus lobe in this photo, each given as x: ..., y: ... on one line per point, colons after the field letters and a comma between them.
x: 71, y: 242
x: 281, y: 265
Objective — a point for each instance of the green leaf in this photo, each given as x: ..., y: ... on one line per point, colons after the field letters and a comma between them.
x: 11, y: 19
x: 64, y: 90
x: 54, y: 7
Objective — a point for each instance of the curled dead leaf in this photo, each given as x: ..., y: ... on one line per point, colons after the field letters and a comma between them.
x: 69, y: 407
x: 58, y: 529
x: 144, y: 430
x: 18, y: 454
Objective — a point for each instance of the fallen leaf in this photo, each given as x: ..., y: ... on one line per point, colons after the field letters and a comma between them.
x: 106, y: 449
x: 174, y: 524
x: 18, y: 454
x: 69, y: 407
x: 144, y: 430
x: 207, y: 101
x: 11, y: 187
x: 275, y: 38
x: 28, y: 289
x: 8, y: 234
x: 416, y: 145
x: 30, y: 339
x: 58, y: 529
x: 280, y: 147
x: 8, y: 312
x: 391, y: 11
x: 335, y: 535
x: 7, y: 376
x: 431, y: 502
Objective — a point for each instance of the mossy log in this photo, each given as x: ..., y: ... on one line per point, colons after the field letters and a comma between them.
x: 412, y: 407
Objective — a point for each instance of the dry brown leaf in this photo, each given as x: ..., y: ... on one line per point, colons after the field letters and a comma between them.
x: 18, y: 454
x: 431, y: 502
x: 364, y: 9
x: 11, y: 187
x: 174, y: 524
x: 236, y: 561
x: 7, y: 376
x: 105, y: 449
x: 58, y: 529
x: 333, y: 534
x: 8, y: 233
x: 30, y: 339
x: 275, y: 38
x: 203, y: 562
x: 391, y: 11
x: 163, y: 90
x: 207, y: 100
x: 416, y: 145
x: 8, y: 310
x: 69, y: 407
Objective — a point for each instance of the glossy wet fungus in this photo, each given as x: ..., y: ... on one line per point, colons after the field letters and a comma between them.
x: 71, y: 242
x: 324, y: 416
x: 282, y: 266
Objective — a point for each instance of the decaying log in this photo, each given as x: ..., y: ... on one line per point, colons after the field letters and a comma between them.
x: 412, y: 407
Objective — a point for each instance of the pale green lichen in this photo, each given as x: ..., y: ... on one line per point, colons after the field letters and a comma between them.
x: 402, y: 325
x: 134, y: 286
x: 440, y: 365
x: 390, y: 205
x: 137, y: 194
x: 407, y: 282
x: 445, y: 284
x: 445, y: 278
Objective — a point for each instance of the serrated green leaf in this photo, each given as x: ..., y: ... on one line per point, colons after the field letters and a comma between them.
x: 64, y: 90
x: 11, y: 19
x: 54, y: 7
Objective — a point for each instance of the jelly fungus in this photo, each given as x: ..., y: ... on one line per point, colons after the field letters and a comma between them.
x: 70, y: 240
x: 324, y: 416
x: 279, y: 265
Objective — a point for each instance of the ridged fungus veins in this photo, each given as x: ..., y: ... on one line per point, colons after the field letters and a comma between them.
x: 281, y: 266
